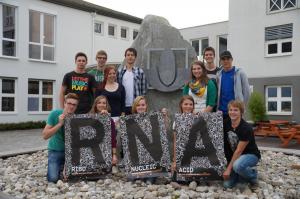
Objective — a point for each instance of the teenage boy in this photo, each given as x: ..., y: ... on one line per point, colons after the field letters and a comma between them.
x: 80, y: 83
x: 98, y: 73
x: 132, y: 78
x: 211, y: 68
x: 232, y: 85
x: 54, y: 130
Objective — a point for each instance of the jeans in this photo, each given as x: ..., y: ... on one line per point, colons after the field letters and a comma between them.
x: 56, y: 161
x: 242, y: 170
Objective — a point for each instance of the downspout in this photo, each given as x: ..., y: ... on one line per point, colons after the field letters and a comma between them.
x: 93, y: 14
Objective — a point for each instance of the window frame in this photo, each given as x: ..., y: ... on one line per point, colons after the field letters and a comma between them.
x: 282, y: 9
x: 133, y: 31
x: 40, y: 96
x: 102, y: 27
x: 42, y: 44
x: 127, y: 32
x: 115, y: 30
x: 279, y: 47
x: 200, y: 40
x: 278, y: 99
x: 15, y: 40
x: 8, y: 95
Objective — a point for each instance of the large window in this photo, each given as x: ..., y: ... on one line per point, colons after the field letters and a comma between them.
x: 280, y: 5
x: 40, y: 95
x: 199, y: 46
x: 278, y: 40
x: 8, y: 30
x: 279, y: 100
x: 41, y: 36
x: 7, y: 95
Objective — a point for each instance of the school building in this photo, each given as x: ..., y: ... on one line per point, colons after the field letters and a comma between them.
x: 41, y: 37
x: 39, y: 40
x: 264, y: 39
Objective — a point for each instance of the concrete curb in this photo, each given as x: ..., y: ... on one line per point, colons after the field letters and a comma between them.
x: 19, y: 152
x: 286, y: 151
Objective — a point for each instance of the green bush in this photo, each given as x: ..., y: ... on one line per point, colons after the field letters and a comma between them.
x: 257, y: 107
x: 22, y: 125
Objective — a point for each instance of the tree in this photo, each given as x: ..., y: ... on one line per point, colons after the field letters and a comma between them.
x: 257, y: 107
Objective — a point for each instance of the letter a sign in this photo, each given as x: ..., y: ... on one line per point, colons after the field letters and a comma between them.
x: 199, y: 146
x: 145, y: 145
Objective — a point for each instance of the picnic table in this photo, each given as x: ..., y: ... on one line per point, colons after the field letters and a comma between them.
x: 279, y: 128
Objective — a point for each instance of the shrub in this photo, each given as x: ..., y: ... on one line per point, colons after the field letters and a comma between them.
x: 22, y: 125
x: 257, y: 107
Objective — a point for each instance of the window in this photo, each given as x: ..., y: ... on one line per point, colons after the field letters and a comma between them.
x: 40, y: 95
x: 124, y: 33
x: 195, y: 44
x: 41, y: 36
x: 203, y: 43
x: 112, y: 30
x: 279, y: 100
x: 280, y: 5
x: 7, y: 95
x: 98, y: 27
x: 135, y: 34
x: 222, y: 45
x: 278, y: 40
x: 8, y: 30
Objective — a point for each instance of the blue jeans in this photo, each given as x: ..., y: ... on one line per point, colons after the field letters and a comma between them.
x: 242, y: 170
x: 56, y: 161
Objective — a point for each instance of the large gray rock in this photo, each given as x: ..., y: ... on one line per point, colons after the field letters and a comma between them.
x: 163, y: 54
x: 166, y: 66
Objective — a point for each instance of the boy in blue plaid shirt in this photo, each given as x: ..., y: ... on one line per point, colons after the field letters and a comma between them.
x: 132, y: 78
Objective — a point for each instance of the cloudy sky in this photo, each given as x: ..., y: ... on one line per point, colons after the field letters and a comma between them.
x: 180, y: 14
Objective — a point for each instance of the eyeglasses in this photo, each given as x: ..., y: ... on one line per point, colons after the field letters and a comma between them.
x: 71, y: 104
x: 104, y: 58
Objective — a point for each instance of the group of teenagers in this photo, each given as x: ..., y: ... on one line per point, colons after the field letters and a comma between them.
x: 122, y: 91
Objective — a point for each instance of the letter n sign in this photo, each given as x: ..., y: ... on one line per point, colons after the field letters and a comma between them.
x: 87, y: 146
x: 199, y: 146
x: 145, y: 145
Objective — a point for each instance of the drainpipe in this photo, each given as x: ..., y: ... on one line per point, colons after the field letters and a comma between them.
x: 93, y: 15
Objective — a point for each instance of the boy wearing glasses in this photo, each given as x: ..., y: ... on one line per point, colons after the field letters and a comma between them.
x: 98, y: 73
x: 54, y: 130
x: 232, y: 85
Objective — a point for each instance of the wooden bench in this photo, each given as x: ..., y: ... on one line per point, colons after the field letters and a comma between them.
x: 279, y: 128
x: 297, y: 135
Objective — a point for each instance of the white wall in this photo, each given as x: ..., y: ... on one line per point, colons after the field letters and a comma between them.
x: 114, y: 46
x: 210, y: 31
x: 74, y: 33
x: 247, y: 22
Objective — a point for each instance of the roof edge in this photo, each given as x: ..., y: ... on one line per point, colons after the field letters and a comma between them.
x: 100, y: 10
